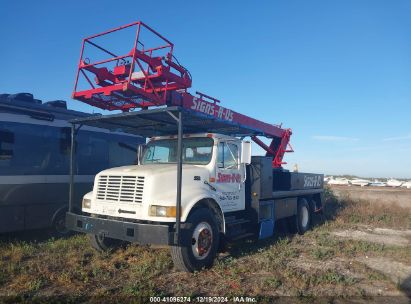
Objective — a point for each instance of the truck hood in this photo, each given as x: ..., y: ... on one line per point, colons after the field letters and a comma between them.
x: 160, y: 181
x: 147, y: 170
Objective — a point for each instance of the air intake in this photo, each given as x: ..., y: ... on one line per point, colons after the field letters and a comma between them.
x: 26, y: 97
x: 62, y: 104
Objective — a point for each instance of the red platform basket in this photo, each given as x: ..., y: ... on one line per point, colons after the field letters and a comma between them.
x: 137, y: 77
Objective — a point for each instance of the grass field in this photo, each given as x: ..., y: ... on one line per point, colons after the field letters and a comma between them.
x: 358, y: 249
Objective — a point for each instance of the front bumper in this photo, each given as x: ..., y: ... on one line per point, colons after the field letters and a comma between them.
x: 141, y: 233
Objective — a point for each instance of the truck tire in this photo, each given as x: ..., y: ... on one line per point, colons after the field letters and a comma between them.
x: 103, y: 243
x: 198, y: 243
x: 303, y: 217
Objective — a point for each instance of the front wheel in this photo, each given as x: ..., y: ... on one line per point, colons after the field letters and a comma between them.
x: 198, y: 243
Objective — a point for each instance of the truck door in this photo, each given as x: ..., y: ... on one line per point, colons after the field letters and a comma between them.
x: 230, y: 189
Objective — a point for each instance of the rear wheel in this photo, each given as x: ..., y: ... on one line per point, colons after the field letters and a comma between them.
x: 103, y: 243
x: 303, y: 217
x: 198, y: 243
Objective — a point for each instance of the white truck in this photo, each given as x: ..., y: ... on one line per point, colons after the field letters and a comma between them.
x: 196, y: 185
x: 226, y: 195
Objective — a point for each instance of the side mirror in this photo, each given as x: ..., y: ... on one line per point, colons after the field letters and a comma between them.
x: 246, y: 152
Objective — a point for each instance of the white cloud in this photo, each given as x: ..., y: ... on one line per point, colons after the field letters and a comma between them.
x: 333, y: 138
x: 405, y: 137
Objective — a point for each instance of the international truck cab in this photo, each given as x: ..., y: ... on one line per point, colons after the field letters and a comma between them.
x: 213, y: 170
x: 196, y: 185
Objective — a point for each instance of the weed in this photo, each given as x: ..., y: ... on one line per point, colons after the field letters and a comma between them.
x: 3, y: 278
x: 36, y: 284
x: 331, y: 277
x: 361, y: 292
x: 375, y: 275
x: 222, y: 265
x: 322, y: 253
x: 273, y: 282
x: 353, y: 248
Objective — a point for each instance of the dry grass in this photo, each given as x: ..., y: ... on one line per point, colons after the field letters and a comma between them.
x: 346, y: 210
x: 316, y: 264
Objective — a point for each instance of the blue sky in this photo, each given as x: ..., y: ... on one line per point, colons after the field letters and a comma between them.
x: 337, y: 72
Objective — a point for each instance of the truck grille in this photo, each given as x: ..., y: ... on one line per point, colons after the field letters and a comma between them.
x: 118, y: 188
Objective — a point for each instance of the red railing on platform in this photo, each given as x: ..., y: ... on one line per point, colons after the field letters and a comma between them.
x: 139, y: 78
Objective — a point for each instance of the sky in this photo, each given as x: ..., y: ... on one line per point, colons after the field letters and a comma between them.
x: 338, y: 73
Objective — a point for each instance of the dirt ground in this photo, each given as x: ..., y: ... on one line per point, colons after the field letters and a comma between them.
x: 385, y: 195
x: 359, y: 251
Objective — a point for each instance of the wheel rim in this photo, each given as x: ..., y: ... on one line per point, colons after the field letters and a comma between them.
x: 202, y: 240
x: 304, y: 216
x: 60, y: 225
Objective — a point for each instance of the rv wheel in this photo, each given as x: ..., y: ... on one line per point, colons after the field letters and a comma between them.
x: 103, y: 243
x: 59, y: 225
x: 198, y: 243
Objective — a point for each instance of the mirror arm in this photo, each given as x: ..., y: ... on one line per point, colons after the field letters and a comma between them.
x: 245, y: 174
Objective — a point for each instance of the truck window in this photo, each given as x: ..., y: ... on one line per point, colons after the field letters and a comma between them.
x: 196, y: 151
x: 158, y: 154
x: 227, y: 155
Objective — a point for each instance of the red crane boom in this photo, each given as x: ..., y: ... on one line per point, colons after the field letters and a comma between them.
x: 146, y: 75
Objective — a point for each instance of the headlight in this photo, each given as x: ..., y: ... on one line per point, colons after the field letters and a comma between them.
x: 162, y: 211
x: 86, y: 203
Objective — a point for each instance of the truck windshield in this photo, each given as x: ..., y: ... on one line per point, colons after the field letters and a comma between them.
x: 196, y: 150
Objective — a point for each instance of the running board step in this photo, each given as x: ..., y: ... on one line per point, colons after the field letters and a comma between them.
x: 233, y: 222
x: 241, y: 236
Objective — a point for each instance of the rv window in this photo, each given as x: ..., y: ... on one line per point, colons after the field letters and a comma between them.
x: 92, y: 153
x: 6, y: 145
x: 122, y: 151
x: 34, y: 150
x: 28, y: 149
x: 65, y: 141
x: 97, y: 151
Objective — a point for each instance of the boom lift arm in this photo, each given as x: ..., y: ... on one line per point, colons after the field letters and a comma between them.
x: 148, y: 75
